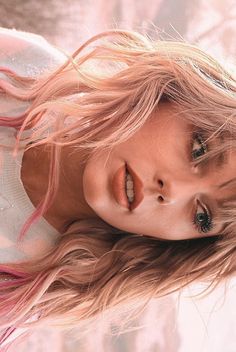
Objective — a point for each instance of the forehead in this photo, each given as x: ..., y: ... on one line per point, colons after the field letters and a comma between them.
x: 170, y: 119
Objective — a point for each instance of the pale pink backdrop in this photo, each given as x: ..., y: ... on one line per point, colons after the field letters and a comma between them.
x: 175, y: 323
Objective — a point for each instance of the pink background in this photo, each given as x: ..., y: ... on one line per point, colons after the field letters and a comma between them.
x: 171, y: 324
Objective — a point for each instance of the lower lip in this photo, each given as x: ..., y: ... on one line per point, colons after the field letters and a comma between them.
x: 118, y: 187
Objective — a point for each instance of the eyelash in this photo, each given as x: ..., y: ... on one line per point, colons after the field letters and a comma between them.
x: 196, y: 153
x: 203, y: 220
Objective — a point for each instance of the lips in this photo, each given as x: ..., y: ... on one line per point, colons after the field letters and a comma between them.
x: 118, y: 188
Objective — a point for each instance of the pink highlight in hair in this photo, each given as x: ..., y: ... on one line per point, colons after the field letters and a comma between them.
x: 6, y: 270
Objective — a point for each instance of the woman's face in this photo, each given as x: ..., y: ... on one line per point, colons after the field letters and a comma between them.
x: 178, y: 200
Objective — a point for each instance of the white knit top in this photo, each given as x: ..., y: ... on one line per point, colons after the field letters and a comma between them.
x: 27, y: 54
x: 15, y: 208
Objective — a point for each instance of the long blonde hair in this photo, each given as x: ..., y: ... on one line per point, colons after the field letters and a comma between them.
x: 101, y: 96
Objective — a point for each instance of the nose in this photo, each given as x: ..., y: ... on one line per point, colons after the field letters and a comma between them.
x: 177, y: 189
x: 160, y: 196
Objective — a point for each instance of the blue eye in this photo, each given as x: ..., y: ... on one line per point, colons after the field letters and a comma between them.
x: 199, y: 146
x: 203, y: 219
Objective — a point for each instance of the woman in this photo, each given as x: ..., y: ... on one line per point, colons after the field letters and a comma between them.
x: 127, y: 154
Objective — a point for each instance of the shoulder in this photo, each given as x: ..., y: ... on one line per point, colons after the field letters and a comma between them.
x: 27, y: 53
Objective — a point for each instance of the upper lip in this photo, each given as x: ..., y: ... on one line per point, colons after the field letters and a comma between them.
x: 138, y: 187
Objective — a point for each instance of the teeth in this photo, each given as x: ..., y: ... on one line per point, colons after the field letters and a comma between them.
x: 129, y: 185
x: 130, y: 193
x: 129, y: 188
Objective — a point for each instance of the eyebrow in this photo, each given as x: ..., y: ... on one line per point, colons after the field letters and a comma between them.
x: 231, y: 182
x: 227, y: 183
x: 222, y: 160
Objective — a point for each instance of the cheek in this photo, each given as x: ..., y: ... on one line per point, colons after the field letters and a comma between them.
x: 170, y: 224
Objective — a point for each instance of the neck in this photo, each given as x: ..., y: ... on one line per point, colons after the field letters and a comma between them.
x: 69, y: 204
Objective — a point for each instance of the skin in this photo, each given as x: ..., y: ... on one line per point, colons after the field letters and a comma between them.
x: 160, y: 154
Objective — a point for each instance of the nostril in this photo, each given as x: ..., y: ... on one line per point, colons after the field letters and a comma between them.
x: 160, y: 199
x: 160, y: 183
